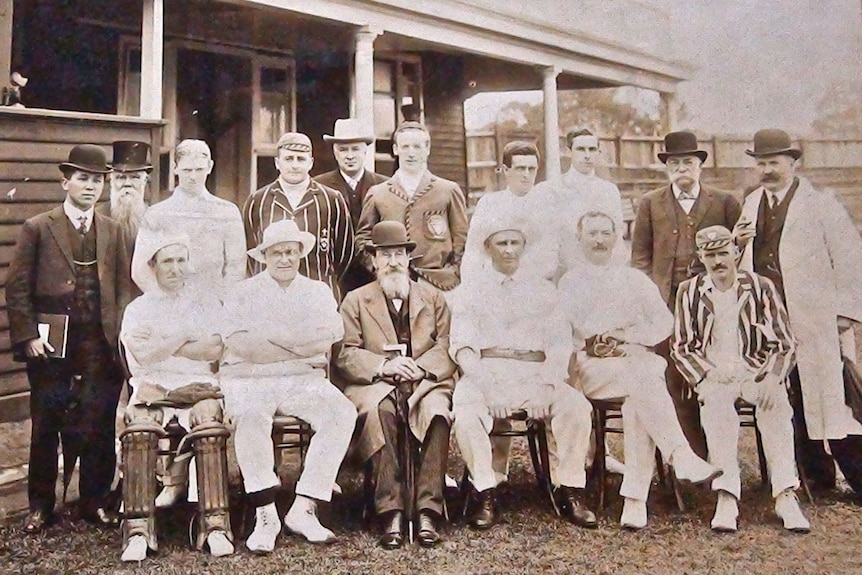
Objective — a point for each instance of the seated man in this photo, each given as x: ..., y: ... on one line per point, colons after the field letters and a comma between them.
x: 513, y: 351
x: 394, y: 313
x: 617, y: 314
x: 732, y: 340
x: 278, y: 329
x: 171, y: 343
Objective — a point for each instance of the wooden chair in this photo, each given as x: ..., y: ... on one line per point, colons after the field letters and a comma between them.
x: 536, y: 433
x: 605, y: 410
x: 747, y: 413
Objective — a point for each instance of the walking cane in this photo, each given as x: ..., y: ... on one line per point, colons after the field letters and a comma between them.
x: 405, y: 447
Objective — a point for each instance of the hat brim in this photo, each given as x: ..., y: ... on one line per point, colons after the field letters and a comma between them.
x: 336, y: 140
x: 409, y: 245
x: 716, y: 245
x: 89, y: 169
x: 794, y: 153
x: 702, y: 154
x: 131, y: 168
x: 305, y: 239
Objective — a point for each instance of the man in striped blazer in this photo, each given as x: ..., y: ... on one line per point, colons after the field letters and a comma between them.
x: 315, y: 209
x: 732, y: 340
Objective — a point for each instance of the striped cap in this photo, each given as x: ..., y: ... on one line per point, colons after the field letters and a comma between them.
x: 294, y: 141
x: 713, y: 237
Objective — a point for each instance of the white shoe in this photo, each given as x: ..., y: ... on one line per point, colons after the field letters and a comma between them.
x: 136, y: 549
x: 219, y: 544
x: 634, y: 514
x: 614, y: 465
x: 169, y: 495
x: 302, y: 520
x: 266, y: 529
x: 726, y: 512
x: 787, y: 508
x: 689, y: 468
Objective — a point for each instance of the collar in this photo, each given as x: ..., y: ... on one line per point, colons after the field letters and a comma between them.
x: 709, y: 285
x: 409, y: 183
x: 353, y: 182
x: 75, y: 214
x: 695, y: 192
x: 288, y: 189
x: 779, y: 195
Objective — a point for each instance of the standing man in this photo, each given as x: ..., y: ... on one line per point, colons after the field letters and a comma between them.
x: 396, y: 335
x: 279, y: 327
x: 432, y: 209
x: 617, y: 315
x: 71, y: 262
x: 170, y: 337
x: 518, y: 200
x: 350, y: 141
x: 316, y: 209
x: 513, y: 350
x: 579, y: 191
x: 732, y: 340
x: 216, y: 224
x: 663, y: 248
x: 130, y: 173
x: 805, y: 242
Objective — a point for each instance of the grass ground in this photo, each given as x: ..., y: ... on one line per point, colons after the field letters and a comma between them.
x: 529, y: 539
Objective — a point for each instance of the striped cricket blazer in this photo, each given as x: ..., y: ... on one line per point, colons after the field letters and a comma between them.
x: 765, y: 341
x: 322, y: 212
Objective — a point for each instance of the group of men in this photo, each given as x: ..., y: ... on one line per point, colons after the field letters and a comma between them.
x: 373, y: 312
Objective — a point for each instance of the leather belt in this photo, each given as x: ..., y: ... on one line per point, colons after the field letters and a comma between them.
x: 516, y: 354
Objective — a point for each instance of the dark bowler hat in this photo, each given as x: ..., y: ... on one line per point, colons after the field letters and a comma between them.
x: 87, y: 158
x: 771, y: 142
x: 389, y: 234
x: 131, y: 156
x: 681, y: 144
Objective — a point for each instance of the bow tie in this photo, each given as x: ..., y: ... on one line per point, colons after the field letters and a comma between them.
x: 683, y: 195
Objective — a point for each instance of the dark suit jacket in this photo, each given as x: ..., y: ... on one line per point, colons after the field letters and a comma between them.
x: 42, y: 275
x: 354, y: 198
x: 656, y: 236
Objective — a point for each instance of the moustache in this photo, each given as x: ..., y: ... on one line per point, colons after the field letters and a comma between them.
x: 718, y: 267
x: 769, y: 178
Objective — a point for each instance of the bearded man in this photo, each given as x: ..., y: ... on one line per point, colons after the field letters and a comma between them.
x: 129, y: 178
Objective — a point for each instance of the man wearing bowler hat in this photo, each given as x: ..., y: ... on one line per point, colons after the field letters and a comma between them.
x: 663, y: 247
x: 805, y: 242
x: 350, y: 143
x: 71, y: 263
x: 396, y: 336
x: 315, y: 208
x: 129, y: 177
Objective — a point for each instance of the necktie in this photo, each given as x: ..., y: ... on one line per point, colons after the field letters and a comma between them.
x: 772, y: 200
x: 82, y: 224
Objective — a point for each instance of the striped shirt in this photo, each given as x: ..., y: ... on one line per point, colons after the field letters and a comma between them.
x: 322, y: 212
x: 765, y: 342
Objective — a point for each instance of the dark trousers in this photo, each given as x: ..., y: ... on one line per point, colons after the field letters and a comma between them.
x: 84, y: 412
x: 811, y: 455
x: 431, y: 468
x: 684, y: 402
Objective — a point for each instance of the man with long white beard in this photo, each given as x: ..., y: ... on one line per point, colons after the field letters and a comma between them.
x: 129, y: 178
x: 396, y: 335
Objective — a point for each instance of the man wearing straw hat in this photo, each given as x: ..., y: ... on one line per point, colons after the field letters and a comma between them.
x: 278, y: 328
x: 170, y: 337
x: 396, y: 335
x: 805, y: 242
x: 350, y: 141
x: 71, y: 263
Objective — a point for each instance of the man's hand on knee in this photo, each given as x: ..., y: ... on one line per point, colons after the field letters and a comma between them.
x: 206, y: 411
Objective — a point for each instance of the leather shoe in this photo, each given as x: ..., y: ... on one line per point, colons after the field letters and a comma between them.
x: 391, y: 534
x: 573, y: 508
x: 484, y: 514
x: 36, y: 521
x: 428, y: 536
x: 101, y: 517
